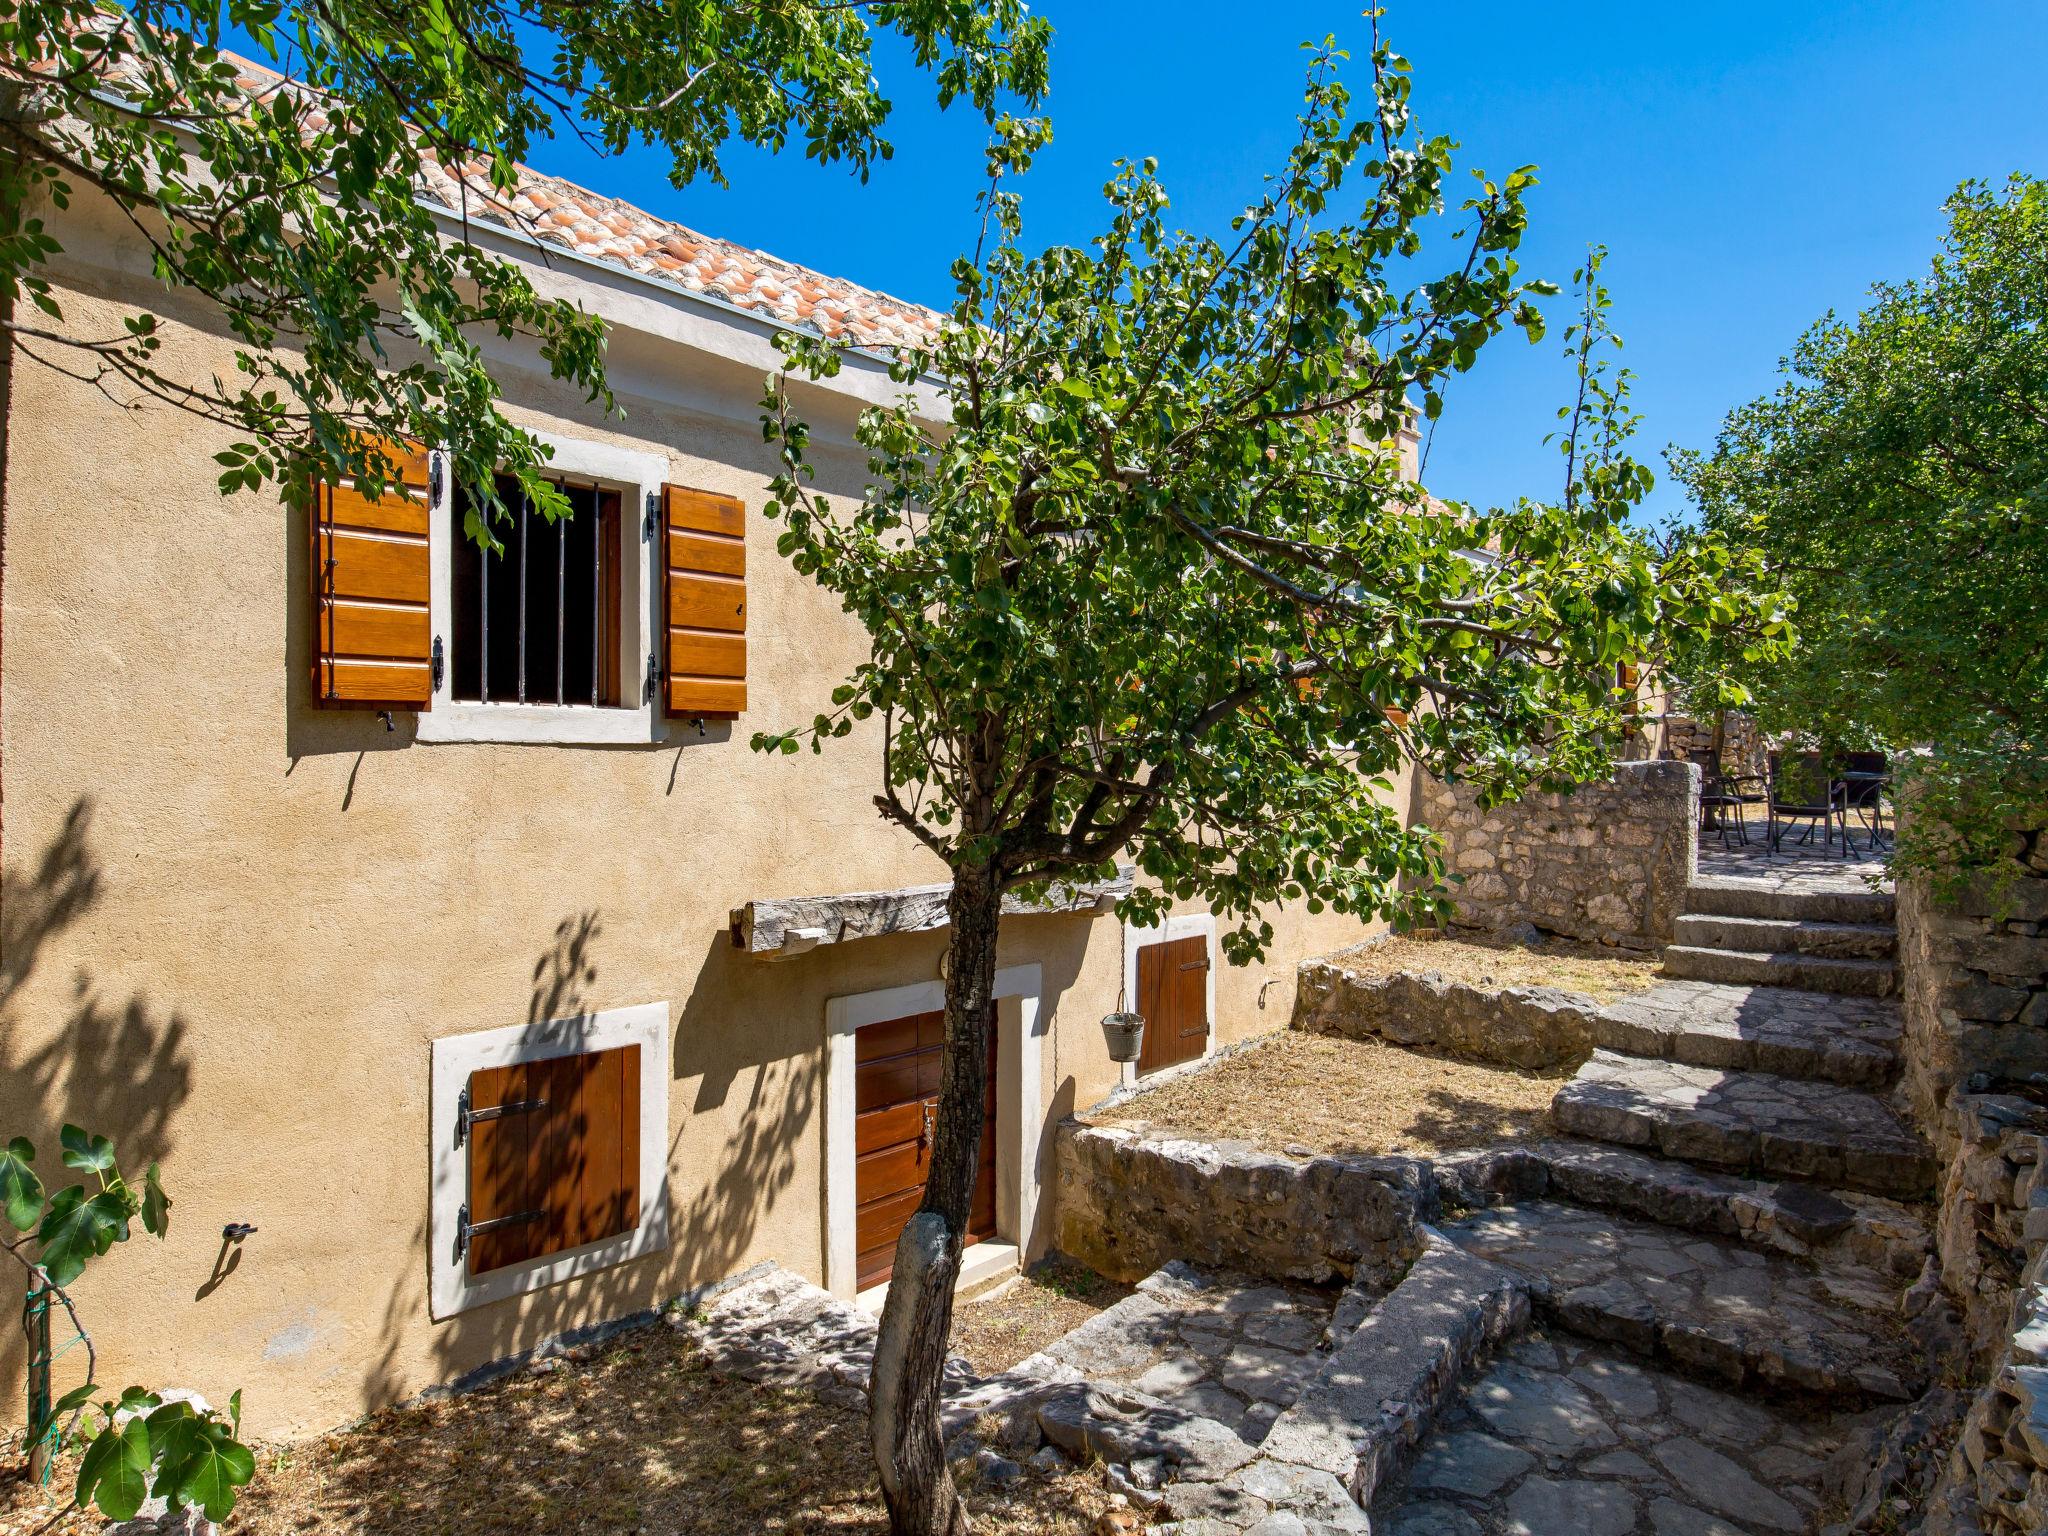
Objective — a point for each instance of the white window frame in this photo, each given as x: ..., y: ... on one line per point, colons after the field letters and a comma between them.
x: 452, y: 1289
x: 1019, y: 1152
x: 635, y: 475
x: 1186, y: 925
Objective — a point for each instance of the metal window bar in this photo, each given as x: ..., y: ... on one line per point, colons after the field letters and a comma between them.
x: 483, y: 573
x: 561, y: 610
x: 522, y: 594
x: 598, y: 627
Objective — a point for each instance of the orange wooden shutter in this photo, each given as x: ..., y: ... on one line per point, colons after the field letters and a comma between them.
x: 371, y: 642
x: 554, y: 1156
x: 704, y: 600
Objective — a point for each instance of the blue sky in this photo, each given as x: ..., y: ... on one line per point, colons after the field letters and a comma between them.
x: 1748, y: 166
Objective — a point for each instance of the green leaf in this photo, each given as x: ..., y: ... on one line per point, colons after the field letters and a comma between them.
x: 203, y: 1464
x: 156, y: 1205
x: 86, y: 1151
x: 114, y: 1472
x: 20, y: 1190
x: 77, y: 1228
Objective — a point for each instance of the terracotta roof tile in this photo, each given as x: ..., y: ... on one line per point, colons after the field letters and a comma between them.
x: 560, y: 213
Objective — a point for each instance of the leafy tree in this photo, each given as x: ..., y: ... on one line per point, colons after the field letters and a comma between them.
x: 1897, y: 485
x: 1157, y: 589
x: 194, y: 1454
x: 294, y: 208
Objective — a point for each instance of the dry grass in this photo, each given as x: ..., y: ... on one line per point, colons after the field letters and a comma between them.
x: 1294, y: 1090
x: 644, y: 1438
x: 1030, y: 1313
x: 1598, y: 972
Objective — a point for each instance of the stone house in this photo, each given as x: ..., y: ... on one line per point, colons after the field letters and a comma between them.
x: 427, y: 913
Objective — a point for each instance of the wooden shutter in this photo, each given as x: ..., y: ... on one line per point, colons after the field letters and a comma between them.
x: 704, y: 602
x: 1173, y: 995
x: 371, y: 642
x: 554, y: 1156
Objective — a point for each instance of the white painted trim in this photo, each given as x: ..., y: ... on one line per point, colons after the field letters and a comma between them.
x: 1019, y: 1060
x: 634, y: 474
x: 1187, y: 925
x: 451, y: 1288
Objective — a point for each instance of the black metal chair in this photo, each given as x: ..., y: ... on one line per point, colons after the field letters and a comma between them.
x: 1723, y: 796
x: 1865, y: 778
x: 1802, y: 789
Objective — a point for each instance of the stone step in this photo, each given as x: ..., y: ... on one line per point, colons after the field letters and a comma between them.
x: 1809, y: 973
x: 1785, y: 935
x: 1850, y: 1040
x: 1703, y: 1305
x: 1752, y: 1122
x: 1360, y: 1419
x: 1730, y: 896
x: 1803, y: 1221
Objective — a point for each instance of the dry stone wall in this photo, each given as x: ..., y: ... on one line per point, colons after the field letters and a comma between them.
x: 1975, y: 971
x: 1130, y: 1200
x: 1608, y: 862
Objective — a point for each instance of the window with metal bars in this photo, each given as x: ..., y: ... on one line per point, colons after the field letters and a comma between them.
x: 538, y: 622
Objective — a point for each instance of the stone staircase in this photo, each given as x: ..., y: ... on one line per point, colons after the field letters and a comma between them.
x: 1743, y: 933
x: 1788, y: 1038
x: 1725, y: 1207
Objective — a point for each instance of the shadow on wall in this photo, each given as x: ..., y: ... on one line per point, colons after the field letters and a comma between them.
x: 715, y: 1211
x: 114, y: 1067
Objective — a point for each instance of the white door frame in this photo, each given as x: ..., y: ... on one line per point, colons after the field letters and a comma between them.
x: 1018, y: 1057
x: 1187, y: 925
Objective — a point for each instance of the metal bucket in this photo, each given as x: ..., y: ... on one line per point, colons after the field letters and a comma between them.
x: 1125, y: 1035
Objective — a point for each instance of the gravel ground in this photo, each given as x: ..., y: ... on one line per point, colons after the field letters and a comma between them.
x: 1025, y: 1316
x: 1294, y: 1090
x: 643, y: 1438
x: 1594, y: 970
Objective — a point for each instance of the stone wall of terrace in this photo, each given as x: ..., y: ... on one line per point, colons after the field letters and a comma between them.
x: 1131, y: 1200
x: 1974, y: 968
x: 1608, y: 862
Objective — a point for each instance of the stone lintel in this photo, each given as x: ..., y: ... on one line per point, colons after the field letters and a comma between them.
x: 792, y: 925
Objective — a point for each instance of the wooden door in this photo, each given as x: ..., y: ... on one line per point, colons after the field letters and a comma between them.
x: 896, y: 1105
x: 1173, y: 995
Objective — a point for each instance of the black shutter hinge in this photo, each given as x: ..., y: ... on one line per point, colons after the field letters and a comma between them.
x: 435, y: 460
x: 465, y: 1229
x: 439, y: 669
x: 653, y: 677
x: 653, y: 518
x: 466, y: 1116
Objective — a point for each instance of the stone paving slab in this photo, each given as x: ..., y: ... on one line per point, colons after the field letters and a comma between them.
x: 1793, y: 1033
x: 1755, y: 1122
x: 1705, y: 1305
x: 1226, y: 1347
x: 1561, y: 1438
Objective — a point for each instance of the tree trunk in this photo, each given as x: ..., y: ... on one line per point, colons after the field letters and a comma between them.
x: 917, y: 1319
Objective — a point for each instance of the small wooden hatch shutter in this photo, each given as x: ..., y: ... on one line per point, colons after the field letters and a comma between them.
x: 704, y: 601
x: 371, y: 642
x: 1173, y: 995
x: 554, y: 1156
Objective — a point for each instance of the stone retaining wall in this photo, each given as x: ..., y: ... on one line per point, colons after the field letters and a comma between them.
x: 1974, y: 969
x: 1531, y: 1027
x: 1130, y: 1201
x: 1608, y: 862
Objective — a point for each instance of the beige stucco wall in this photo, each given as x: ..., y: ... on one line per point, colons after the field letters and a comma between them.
x: 234, y: 922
